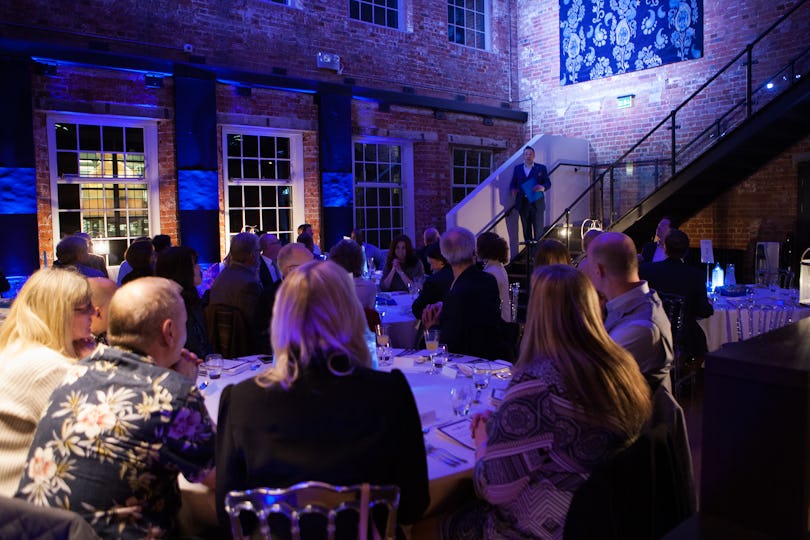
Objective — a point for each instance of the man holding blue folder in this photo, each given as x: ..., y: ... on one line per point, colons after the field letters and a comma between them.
x: 529, y: 183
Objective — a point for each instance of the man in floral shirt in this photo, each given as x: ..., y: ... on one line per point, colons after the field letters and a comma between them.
x: 125, y: 422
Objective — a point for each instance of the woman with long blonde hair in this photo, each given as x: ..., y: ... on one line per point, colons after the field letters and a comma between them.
x: 320, y: 413
x: 46, y: 331
x: 575, y: 400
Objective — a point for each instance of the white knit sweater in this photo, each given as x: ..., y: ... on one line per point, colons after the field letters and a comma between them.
x: 27, y: 378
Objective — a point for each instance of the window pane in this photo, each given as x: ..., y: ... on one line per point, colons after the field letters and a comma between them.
x: 283, y: 148
x: 113, y: 139
x: 268, y: 147
x: 250, y: 146
x: 134, y: 138
x: 268, y: 220
x: 234, y: 145
x: 89, y: 137
x: 235, y: 218
x: 284, y: 197
x: 68, y: 198
x: 268, y: 196
x: 251, y: 168
x: 235, y: 196
x: 117, y: 250
x: 235, y: 168
x: 268, y: 169
x: 66, y: 136
x: 284, y: 221
x: 284, y: 170
x: 66, y: 163
x: 251, y: 198
x: 252, y: 218
x: 69, y: 222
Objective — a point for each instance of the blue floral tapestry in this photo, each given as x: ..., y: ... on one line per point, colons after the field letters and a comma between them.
x: 601, y: 38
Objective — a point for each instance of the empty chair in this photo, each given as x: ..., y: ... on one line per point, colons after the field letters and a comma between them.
x: 318, y: 498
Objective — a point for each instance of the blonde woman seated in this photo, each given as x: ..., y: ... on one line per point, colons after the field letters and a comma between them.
x: 575, y: 399
x: 321, y: 413
x: 46, y: 331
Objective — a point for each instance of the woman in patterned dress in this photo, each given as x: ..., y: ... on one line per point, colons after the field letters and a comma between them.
x: 575, y: 400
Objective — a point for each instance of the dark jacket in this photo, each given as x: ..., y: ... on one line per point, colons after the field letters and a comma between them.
x: 362, y: 427
x: 434, y: 290
x: 540, y: 175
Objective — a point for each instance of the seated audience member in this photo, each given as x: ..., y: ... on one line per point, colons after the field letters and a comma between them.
x: 570, y: 373
x: 125, y: 268
x: 115, y: 436
x: 306, y: 240
x: 469, y: 318
x: 139, y: 256
x: 306, y: 228
x: 291, y: 257
x: 429, y: 237
x: 371, y: 253
x: 161, y: 242
x: 550, y: 252
x: 269, y: 274
x: 494, y: 252
x: 325, y: 414
x: 71, y: 252
x: 635, y: 316
x: 655, y: 251
x: 436, y: 284
x: 349, y: 255
x: 238, y: 286
x: 673, y: 276
x: 46, y: 331
x: 587, y: 238
x: 93, y: 260
x: 101, y: 292
x: 179, y: 264
x: 402, y: 267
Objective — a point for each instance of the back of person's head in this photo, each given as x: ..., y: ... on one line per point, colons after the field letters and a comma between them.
x: 87, y: 238
x: 430, y: 236
x: 307, y: 240
x: 551, y: 251
x: 139, y: 255
x: 316, y: 318
x: 71, y: 250
x: 101, y: 292
x: 138, y: 310
x: 178, y: 264
x: 267, y: 241
x: 492, y: 247
x: 434, y: 251
x: 161, y: 242
x: 588, y: 237
x: 358, y: 236
x: 243, y: 248
x: 458, y: 246
x: 615, y: 252
x: 564, y: 325
x: 43, y: 312
x: 305, y: 227
x: 349, y: 255
x: 292, y: 256
x: 676, y: 244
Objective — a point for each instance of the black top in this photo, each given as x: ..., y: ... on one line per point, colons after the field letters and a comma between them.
x: 434, y: 289
x: 363, y: 427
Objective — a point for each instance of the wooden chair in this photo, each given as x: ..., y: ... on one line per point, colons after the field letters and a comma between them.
x: 227, y: 331
x: 314, y: 498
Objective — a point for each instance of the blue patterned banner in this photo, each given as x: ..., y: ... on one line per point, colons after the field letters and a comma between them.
x: 601, y: 38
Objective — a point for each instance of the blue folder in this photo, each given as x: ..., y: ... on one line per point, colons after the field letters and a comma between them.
x: 528, y: 189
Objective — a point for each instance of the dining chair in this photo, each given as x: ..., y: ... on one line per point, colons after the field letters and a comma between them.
x: 227, y: 331
x: 675, y: 308
x: 373, y: 318
x: 314, y: 498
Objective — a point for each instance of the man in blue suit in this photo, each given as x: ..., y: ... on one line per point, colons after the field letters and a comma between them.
x: 532, y: 212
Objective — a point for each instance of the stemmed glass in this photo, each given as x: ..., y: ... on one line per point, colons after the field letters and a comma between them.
x: 481, y: 373
x: 431, y: 343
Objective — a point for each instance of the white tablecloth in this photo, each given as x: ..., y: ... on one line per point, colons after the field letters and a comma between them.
x: 736, y: 318
x: 402, y: 325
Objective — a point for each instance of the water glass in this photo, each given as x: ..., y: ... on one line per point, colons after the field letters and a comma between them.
x: 439, y: 358
x: 462, y: 393
x: 384, y: 354
x: 481, y: 373
x: 213, y: 365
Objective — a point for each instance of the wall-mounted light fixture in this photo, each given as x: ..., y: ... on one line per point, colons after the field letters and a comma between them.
x: 625, y: 102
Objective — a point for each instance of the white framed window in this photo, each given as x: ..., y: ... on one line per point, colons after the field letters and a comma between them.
x: 383, y: 194
x: 264, y: 180
x: 380, y: 12
x: 467, y: 22
x: 471, y: 166
x: 104, y: 179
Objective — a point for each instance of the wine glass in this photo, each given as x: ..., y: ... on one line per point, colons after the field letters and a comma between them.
x: 481, y: 373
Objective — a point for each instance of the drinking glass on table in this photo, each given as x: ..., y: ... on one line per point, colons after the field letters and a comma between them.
x: 481, y: 373
x: 431, y: 341
x: 383, y: 338
x: 439, y: 358
x: 384, y: 354
x: 213, y: 365
x: 461, y: 396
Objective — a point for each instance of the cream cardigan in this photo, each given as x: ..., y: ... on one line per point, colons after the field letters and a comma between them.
x: 27, y: 378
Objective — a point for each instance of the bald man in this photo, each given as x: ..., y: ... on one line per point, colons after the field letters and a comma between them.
x: 101, y: 292
x: 636, y: 319
x: 292, y: 256
x: 114, y: 439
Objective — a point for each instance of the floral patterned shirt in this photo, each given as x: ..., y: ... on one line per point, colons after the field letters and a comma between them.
x: 112, y: 441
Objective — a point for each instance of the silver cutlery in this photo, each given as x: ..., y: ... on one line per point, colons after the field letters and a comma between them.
x: 444, y: 455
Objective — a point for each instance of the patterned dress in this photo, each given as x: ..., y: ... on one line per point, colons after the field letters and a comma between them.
x: 541, y: 447
x: 112, y: 441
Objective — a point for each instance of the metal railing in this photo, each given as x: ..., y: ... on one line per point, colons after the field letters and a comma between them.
x: 763, y: 70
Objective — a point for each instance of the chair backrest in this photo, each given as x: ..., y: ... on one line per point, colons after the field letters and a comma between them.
x: 318, y: 498
x: 226, y: 330
x: 372, y: 318
x: 675, y: 308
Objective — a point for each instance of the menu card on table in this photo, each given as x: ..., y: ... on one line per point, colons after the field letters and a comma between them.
x: 459, y: 431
